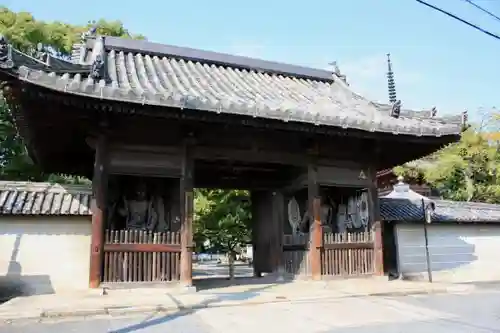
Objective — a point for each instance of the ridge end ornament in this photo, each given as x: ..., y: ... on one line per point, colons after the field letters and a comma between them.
x: 97, y: 68
x: 362, y: 175
x: 5, y: 53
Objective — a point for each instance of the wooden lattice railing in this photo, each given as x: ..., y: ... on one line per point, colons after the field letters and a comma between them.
x: 296, y: 255
x: 141, y: 256
x: 343, y: 254
x: 347, y: 254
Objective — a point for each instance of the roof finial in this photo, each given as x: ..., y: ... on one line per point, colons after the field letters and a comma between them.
x: 336, y: 71
x: 391, y: 84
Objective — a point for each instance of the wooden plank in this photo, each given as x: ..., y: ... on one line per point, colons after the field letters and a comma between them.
x: 295, y: 247
x: 278, y: 220
x: 376, y: 223
x: 340, y: 246
x: 316, y: 233
x: 187, y: 204
x: 99, y: 187
x: 145, y: 248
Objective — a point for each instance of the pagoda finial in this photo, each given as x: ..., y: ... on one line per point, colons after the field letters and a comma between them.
x: 391, y: 84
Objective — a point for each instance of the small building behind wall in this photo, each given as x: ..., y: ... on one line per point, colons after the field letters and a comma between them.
x: 45, y: 233
x: 463, y: 240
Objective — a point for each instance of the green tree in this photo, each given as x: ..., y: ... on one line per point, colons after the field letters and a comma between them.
x: 463, y: 171
x: 223, y: 219
x: 25, y: 33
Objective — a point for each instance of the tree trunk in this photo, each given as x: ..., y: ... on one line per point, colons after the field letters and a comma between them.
x: 230, y: 261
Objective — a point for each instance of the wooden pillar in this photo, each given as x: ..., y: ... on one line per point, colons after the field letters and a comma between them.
x: 99, y: 189
x: 278, y: 218
x: 315, y: 231
x: 262, y: 235
x: 376, y: 223
x: 187, y: 204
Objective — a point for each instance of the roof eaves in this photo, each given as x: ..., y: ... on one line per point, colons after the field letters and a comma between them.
x: 420, y: 114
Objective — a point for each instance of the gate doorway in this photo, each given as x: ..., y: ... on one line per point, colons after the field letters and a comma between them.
x: 222, y: 228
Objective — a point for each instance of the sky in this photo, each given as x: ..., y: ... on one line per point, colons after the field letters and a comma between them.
x: 437, y: 60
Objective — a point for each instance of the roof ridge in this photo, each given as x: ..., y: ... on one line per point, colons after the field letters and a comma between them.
x: 470, y: 204
x: 46, y: 187
x: 216, y: 58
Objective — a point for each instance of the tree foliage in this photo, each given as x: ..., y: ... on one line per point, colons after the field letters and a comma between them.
x: 25, y: 32
x: 463, y: 171
x: 222, y: 218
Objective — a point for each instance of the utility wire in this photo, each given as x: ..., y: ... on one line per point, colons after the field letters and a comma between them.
x: 482, y: 9
x: 458, y: 19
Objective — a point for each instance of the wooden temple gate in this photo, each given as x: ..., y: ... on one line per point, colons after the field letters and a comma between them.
x: 243, y: 124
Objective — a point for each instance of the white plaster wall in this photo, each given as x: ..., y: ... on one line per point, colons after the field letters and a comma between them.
x: 41, y: 255
x: 458, y: 253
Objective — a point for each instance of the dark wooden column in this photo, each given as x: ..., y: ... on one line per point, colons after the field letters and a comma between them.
x: 278, y: 220
x: 187, y: 204
x: 99, y: 190
x: 376, y: 222
x: 262, y: 233
x: 315, y: 231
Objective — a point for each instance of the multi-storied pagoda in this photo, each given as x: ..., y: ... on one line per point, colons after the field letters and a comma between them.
x: 386, y: 178
x: 149, y: 122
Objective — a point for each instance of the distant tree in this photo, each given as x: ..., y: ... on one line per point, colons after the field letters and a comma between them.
x: 465, y: 171
x: 24, y: 32
x: 223, y: 218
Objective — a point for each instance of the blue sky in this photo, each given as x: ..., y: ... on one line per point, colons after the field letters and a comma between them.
x: 437, y: 61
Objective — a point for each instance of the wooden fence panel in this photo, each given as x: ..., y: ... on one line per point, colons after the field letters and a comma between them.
x: 348, y: 254
x: 141, y: 256
x: 296, y: 255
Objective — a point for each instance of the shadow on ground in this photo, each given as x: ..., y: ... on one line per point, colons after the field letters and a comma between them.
x: 204, y: 285
x: 208, y: 284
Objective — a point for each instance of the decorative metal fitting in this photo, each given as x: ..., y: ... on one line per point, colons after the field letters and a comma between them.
x: 434, y: 112
x: 396, y: 109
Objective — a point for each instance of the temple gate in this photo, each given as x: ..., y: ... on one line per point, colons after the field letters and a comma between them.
x: 182, y: 118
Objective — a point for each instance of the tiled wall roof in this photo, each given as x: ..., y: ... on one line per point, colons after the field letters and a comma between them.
x: 23, y: 198
x: 445, y: 211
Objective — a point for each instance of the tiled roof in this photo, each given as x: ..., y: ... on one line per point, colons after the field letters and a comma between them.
x: 18, y: 198
x: 161, y: 75
x: 445, y: 211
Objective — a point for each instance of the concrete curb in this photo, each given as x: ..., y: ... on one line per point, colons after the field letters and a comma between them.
x: 11, y: 318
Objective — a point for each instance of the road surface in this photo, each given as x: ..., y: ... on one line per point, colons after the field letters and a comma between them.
x: 471, y: 313
x: 211, y: 269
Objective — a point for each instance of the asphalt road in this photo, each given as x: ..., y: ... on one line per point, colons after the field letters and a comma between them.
x: 471, y: 313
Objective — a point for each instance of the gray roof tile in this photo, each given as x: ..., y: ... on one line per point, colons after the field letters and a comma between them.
x: 162, y: 75
x: 445, y: 211
x: 18, y: 198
